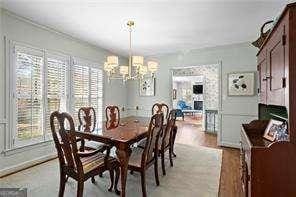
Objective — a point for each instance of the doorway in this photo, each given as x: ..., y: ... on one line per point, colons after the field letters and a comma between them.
x: 196, y: 96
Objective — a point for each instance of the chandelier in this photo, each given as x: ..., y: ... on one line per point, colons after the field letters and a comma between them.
x: 135, y: 69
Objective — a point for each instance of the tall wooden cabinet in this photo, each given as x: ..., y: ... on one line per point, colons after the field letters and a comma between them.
x: 273, y: 61
x: 268, y: 169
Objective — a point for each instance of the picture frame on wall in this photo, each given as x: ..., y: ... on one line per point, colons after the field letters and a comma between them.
x: 271, y: 129
x: 147, y: 86
x: 241, y: 84
x: 174, y: 94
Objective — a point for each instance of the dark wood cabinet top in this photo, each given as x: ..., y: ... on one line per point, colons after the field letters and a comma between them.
x: 257, y: 140
x: 254, y: 133
x: 275, y: 26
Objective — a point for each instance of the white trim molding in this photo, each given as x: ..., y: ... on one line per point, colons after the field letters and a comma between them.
x: 3, y: 121
x: 229, y: 144
x: 27, y: 164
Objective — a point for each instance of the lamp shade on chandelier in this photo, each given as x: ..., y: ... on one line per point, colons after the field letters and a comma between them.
x: 136, y: 69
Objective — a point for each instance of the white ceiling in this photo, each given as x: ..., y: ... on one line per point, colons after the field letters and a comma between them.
x: 162, y: 26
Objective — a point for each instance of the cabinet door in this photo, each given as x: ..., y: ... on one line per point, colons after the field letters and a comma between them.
x: 276, y: 67
x: 262, y: 91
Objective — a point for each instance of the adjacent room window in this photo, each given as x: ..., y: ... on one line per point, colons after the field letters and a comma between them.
x: 41, y: 84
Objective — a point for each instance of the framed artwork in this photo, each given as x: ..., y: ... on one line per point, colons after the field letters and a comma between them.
x: 271, y: 129
x: 241, y: 84
x: 147, y: 86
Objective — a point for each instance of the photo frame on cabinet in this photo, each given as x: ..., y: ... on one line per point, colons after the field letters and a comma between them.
x: 271, y: 129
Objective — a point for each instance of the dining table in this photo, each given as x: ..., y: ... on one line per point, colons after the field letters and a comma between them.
x: 126, y: 133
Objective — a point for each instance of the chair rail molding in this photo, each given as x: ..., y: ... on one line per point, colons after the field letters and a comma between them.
x: 3, y: 121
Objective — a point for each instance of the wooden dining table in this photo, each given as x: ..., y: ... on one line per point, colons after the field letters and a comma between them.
x: 129, y: 131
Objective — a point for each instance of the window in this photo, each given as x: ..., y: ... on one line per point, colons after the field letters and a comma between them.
x: 41, y: 84
x: 96, y: 92
x: 87, y: 89
x: 28, y: 95
x: 57, y: 90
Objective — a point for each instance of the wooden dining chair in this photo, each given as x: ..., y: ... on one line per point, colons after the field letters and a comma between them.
x: 160, y: 108
x: 167, y: 140
x: 112, y: 117
x: 141, y: 159
x: 112, y: 112
x: 87, y: 123
x: 76, y: 164
x: 157, y: 108
x: 87, y: 118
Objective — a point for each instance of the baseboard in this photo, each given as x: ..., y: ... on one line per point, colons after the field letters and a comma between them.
x: 229, y: 144
x: 25, y: 165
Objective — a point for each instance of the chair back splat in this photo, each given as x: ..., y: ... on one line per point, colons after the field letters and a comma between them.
x: 160, y: 108
x: 167, y: 135
x: 154, y: 131
x: 87, y: 118
x: 112, y: 117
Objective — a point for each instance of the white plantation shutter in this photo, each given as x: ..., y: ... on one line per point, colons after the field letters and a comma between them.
x: 56, y: 99
x: 87, y: 86
x: 41, y: 83
x: 96, y: 92
x: 80, y: 87
x: 28, y: 95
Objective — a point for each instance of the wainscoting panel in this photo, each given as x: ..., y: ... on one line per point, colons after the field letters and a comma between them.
x: 231, y: 128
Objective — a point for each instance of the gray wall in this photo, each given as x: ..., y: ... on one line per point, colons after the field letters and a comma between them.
x: 17, y: 29
x: 234, y: 110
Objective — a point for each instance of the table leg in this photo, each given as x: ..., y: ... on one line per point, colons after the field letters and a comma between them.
x: 123, y: 153
x: 174, y: 138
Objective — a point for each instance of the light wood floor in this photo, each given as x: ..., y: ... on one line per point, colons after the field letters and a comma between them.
x: 190, y: 133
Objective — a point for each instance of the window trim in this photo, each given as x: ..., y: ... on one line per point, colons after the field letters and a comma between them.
x: 13, y: 122
x: 10, y: 80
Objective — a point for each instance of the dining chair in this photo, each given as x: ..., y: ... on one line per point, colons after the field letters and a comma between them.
x: 156, y: 109
x: 112, y: 116
x: 76, y: 164
x: 87, y: 118
x: 161, y: 108
x: 87, y: 123
x: 112, y: 113
x: 167, y: 140
x: 141, y: 159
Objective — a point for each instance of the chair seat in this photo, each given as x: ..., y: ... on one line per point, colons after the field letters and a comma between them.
x: 136, y: 157
x: 142, y: 143
x: 93, y: 145
x: 95, y: 161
